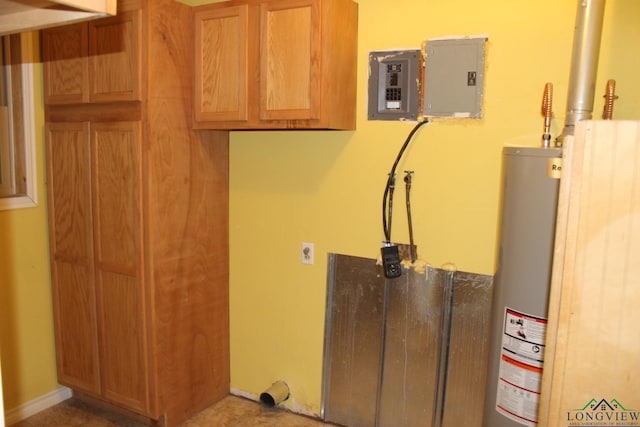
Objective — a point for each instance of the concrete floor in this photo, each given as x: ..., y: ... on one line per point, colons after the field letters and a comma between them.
x: 232, y: 411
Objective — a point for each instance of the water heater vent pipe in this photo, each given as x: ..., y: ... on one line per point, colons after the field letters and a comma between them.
x: 584, y: 63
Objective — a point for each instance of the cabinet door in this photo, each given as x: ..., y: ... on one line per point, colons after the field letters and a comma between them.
x: 106, y: 49
x: 72, y: 265
x: 66, y: 75
x: 116, y: 160
x: 221, y: 64
x: 115, y: 52
x: 290, y: 56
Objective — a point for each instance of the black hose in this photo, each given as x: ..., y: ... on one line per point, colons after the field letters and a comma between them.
x: 388, y: 190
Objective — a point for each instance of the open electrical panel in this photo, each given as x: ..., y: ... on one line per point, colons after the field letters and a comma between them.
x: 443, y: 79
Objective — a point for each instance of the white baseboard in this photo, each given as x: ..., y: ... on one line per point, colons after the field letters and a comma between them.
x: 36, y: 405
x: 242, y: 393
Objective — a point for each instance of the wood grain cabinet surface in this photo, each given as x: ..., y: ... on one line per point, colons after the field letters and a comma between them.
x: 138, y: 216
x: 591, y: 374
x: 98, y: 61
x: 276, y: 64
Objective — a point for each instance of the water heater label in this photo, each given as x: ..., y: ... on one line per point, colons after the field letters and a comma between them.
x: 521, y: 360
x: 554, y: 167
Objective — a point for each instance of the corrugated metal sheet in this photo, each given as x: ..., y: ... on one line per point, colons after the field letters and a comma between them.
x: 383, y: 338
x: 353, y: 340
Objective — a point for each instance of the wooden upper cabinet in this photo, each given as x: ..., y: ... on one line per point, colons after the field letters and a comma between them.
x: 221, y: 65
x: 290, y: 60
x: 65, y: 57
x: 114, y: 52
x: 275, y: 64
x: 106, y: 49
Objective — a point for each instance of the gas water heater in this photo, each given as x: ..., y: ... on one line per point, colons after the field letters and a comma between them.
x: 521, y: 285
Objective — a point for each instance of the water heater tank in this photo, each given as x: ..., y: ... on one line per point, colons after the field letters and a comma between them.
x: 521, y: 286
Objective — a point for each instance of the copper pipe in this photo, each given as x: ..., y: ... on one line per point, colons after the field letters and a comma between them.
x: 610, y: 97
x: 547, y: 112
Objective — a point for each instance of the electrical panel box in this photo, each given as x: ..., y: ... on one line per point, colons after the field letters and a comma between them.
x: 454, y: 77
x: 394, y: 84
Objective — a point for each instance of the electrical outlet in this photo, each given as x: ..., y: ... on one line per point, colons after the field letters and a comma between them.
x: 306, y: 253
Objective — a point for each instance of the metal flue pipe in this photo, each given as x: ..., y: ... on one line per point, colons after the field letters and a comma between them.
x: 584, y: 63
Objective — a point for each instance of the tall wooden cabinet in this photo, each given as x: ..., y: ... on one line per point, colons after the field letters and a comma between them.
x: 274, y: 64
x: 591, y: 374
x: 138, y: 215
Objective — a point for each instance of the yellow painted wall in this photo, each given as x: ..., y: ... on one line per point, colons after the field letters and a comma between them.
x: 26, y: 319
x: 326, y: 188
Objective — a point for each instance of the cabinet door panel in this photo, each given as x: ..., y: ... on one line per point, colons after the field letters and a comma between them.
x: 115, y: 58
x: 123, y: 370
x: 290, y: 55
x: 117, y: 228
x: 221, y: 64
x: 69, y: 193
x: 65, y: 62
x: 76, y: 333
x: 116, y: 158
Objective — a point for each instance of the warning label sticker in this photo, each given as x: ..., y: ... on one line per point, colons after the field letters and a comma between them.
x: 521, y: 360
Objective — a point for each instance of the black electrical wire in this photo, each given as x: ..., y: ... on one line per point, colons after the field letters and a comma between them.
x: 387, y: 202
x: 391, y: 187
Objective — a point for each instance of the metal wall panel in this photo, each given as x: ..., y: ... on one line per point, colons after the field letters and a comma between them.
x: 353, y: 340
x: 384, y: 338
x: 468, y: 350
x: 412, y: 330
